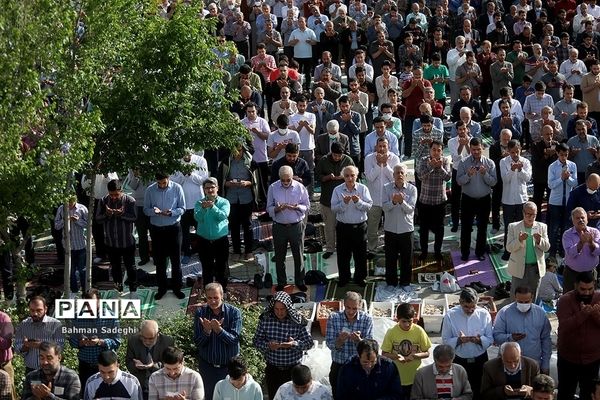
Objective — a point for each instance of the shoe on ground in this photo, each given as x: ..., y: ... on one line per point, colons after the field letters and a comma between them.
x: 273, y: 259
x: 97, y: 260
x: 302, y: 287
x: 248, y: 257
x: 495, y: 231
x: 423, y: 256
x: 159, y: 295
x: 119, y: 287
x: 481, y: 257
x: 179, y: 294
x: 505, y: 256
x: 454, y: 228
x: 185, y: 260
x: 464, y: 258
x: 133, y: 287
x: 486, y: 287
x: 327, y: 254
x: 258, y: 282
x: 143, y: 262
x: 370, y: 255
x: 476, y: 287
x: 268, y: 281
x: 279, y: 288
x: 439, y: 257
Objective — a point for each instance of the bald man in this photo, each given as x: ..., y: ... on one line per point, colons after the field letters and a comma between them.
x: 144, y: 352
x: 587, y: 196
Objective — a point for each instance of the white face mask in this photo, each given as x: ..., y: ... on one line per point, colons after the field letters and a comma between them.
x: 282, y: 131
x: 231, y: 6
x: 590, y: 191
x: 332, y: 137
x: 523, y: 307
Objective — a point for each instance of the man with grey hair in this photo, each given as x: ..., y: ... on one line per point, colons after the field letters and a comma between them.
x: 217, y: 329
x: 351, y: 202
x: 398, y: 202
x: 324, y: 141
x: 288, y: 204
x: 329, y: 173
x: 509, y: 375
x: 582, y: 248
x: 379, y: 172
x: 443, y: 377
x: 527, y: 241
x: 468, y: 329
x: 144, y: 352
x: 344, y: 330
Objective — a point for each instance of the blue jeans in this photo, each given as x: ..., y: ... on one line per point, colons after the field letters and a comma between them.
x: 77, y: 265
x: 557, y: 221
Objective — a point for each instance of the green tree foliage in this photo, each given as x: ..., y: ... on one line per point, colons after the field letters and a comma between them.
x: 165, y: 95
x: 46, y: 133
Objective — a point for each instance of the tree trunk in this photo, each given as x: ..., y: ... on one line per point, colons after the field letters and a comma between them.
x: 67, y: 246
x: 90, y: 240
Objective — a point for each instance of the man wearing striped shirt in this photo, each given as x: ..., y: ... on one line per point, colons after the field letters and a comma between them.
x: 34, y: 330
x: 175, y: 380
x: 282, y: 338
x: 112, y: 382
x: 78, y: 216
x: 217, y: 335
x: 117, y: 212
x: 97, y: 335
x: 344, y: 330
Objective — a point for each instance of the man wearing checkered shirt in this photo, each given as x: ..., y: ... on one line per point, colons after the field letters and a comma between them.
x: 282, y: 338
x: 175, y: 380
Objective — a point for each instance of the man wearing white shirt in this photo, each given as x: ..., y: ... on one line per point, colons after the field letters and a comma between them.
x: 303, y: 39
x: 468, y: 329
x: 279, y: 138
x: 359, y: 60
x: 455, y: 58
x: 259, y: 130
x: 380, y: 131
x: 506, y: 93
x: 304, y: 123
x: 335, y: 7
x: 459, y: 150
x: 289, y: 5
x: 573, y: 69
x: 516, y: 173
x: 303, y: 386
x: 379, y: 170
x: 191, y: 182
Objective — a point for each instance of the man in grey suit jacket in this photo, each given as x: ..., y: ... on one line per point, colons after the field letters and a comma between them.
x: 430, y: 382
x: 526, y: 273
x: 144, y: 352
x: 324, y: 141
x: 509, y: 375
